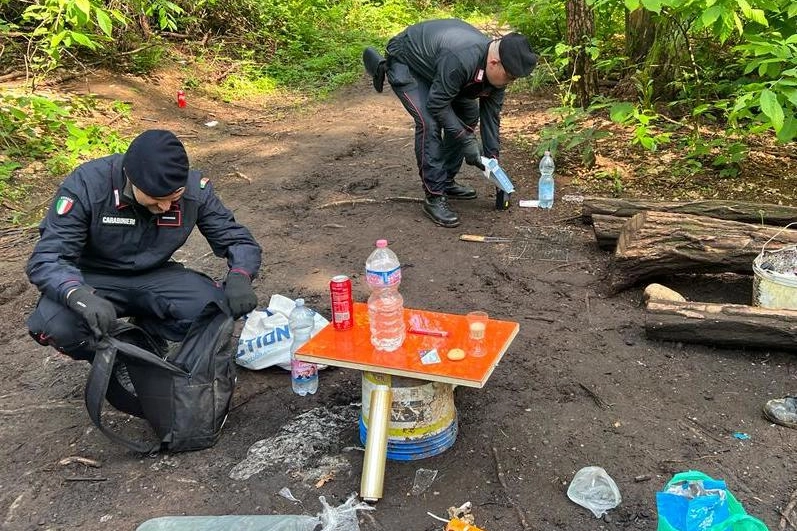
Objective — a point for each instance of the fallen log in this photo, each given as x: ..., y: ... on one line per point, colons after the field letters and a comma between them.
x: 742, y: 211
x: 722, y: 325
x: 653, y: 244
x: 607, y: 230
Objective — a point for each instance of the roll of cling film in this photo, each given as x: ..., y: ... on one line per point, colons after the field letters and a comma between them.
x: 455, y: 524
x: 373, y: 477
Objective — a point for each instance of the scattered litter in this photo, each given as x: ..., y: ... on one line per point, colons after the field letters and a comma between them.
x: 308, y: 443
x: 641, y: 478
x: 741, y: 436
x: 455, y: 524
x: 529, y: 203
x: 430, y: 357
x: 463, y: 512
x: 436, y: 517
x: 594, y: 489
x: 286, y: 493
x: 341, y: 518
x: 324, y: 479
x: 573, y: 198
x: 424, y: 477
x: 212, y: 123
x: 82, y: 460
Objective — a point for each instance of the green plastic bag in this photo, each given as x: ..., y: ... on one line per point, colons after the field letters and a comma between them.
x: 738, y: 519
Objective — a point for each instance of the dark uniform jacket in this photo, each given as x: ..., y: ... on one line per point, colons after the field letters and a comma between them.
x: 93, y: 226
x: 452, y: 55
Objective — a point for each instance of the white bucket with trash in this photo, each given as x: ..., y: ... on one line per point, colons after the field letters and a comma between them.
x: 423, y: 417
x: 775, y: 277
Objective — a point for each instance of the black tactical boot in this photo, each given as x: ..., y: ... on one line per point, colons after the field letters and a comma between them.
x: 454, y: 190
x: 436, y: 207
x: 376, y: 66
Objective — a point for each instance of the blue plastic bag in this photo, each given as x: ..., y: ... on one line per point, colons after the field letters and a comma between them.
x: 694, y: 501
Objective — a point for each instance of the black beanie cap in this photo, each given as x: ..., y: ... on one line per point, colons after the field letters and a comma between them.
x: 516, y: 55
x: 156, y: 163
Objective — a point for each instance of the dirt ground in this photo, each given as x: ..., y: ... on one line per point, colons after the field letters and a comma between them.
x: 579, y: 386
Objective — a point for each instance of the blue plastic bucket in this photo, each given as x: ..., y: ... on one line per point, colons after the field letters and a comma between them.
x: 423, y: 419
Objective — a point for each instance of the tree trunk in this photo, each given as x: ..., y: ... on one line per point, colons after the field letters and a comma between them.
x: 725, y: 325
x: 746, y: 212
x: 667, y: 59
x: 653, y: 244
x: 639, y: 34
x: 580, y: 31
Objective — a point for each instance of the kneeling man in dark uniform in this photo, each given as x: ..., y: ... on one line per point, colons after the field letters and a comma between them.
x: 107, y: 242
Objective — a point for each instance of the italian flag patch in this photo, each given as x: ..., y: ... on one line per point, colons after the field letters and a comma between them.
x: 203, y: 182
x: 64, y: 205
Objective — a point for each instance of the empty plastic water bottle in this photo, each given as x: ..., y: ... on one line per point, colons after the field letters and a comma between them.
x: 304, y: 375
x: 545, y: 188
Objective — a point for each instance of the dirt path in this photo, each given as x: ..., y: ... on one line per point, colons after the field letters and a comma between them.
x: 580, y: 385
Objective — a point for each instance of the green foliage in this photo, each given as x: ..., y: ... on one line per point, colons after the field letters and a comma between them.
x: 771, y: 99
x: 33, y: 127
x: 147, y: 59
x: 8, y: 190
x: 164, y: 11
x: 644, y: 121
x: 56, y: 26
x: 571, y: 133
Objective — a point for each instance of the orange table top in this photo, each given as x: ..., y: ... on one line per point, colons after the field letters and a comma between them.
x: 352, y: 348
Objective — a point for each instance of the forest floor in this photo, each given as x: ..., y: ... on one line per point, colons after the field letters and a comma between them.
x: 579, y: 386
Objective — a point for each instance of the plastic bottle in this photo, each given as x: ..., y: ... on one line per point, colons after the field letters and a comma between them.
x: 546, y: 186
x: 304, y: 375
x: 385, y: 305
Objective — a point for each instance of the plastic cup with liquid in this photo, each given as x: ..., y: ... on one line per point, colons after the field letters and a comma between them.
x: 477, y: 325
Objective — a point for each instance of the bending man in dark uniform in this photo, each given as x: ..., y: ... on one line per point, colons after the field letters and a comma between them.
x: 439, y: 69
x: 106, y: 246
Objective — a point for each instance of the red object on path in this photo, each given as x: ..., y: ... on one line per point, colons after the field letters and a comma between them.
x: 181, y: 98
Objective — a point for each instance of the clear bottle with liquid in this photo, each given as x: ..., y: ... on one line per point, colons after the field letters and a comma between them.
x: 385, y: 304
x: 304, y: 375
x: 545, y: 189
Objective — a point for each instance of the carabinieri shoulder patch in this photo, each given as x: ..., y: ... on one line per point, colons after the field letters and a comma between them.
x: 64, y: 205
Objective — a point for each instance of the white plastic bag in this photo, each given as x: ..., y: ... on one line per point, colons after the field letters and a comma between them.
x: 266, y: 337
x: 594, y: 489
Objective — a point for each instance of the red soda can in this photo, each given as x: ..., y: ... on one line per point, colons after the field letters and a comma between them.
x: 181, y: 98
x: 342, y: 302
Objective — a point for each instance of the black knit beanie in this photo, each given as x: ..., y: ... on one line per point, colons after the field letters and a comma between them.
x: 516, y: 54
x: 156, y: 163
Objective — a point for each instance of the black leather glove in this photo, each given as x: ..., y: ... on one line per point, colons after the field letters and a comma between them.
x: 99, y: 313
x: 472, y: 152
x: 241, y: 297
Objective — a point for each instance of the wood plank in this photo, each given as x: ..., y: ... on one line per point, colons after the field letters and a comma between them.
x: 352, y: 348
x: 725, y: 325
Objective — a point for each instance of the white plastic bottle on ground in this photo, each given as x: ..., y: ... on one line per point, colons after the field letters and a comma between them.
x: 304, y: 375
x: 385, y: 305
x: 545, y: 188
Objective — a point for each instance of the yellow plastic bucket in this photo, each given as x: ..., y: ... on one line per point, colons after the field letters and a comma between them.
x: 775, y: 277
x: 423, y: 418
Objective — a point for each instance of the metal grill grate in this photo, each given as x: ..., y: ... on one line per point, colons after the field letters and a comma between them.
x: 549, y: 244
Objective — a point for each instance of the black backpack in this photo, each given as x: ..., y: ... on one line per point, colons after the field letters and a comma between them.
x: 185, y: 397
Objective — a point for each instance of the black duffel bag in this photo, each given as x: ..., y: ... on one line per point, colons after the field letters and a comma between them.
x: 185, y: 397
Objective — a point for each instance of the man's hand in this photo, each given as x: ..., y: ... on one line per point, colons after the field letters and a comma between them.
x: 473, y: 154
x: 241, y: 297
x: 99, y: 313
